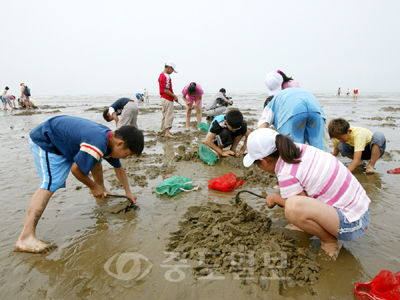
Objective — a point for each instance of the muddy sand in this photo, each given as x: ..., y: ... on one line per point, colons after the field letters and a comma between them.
x: 237, y: 239
x: 160, y: 248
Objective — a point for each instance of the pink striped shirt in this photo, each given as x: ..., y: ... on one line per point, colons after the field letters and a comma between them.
x: 325, y: 178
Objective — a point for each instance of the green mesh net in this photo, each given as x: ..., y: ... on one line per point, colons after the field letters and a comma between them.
x: 174, y: 185
x: 203, y: 126
x: 207, y: 155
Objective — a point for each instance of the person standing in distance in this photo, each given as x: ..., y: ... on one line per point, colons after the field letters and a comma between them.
x: 167, y: 97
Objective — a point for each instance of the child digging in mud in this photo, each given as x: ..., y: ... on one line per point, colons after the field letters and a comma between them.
x: 356, y: 143
x: 320, y: 195
x: 227, y: 130
x: 65, y: 143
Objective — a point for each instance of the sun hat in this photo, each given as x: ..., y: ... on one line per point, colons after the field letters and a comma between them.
x: 171, y: 64
x: 260, y: 144
x: 273, y: 81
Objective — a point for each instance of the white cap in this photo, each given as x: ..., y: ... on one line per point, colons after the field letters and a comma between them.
x: 273, y: 81
x: 260, y: 144
x: 171, y: 64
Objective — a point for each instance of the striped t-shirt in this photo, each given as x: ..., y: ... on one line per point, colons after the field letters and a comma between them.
x: 325, y: 178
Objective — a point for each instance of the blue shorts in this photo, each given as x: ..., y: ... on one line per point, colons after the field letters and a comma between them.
x: 307, y: 127
x: 352, y: 231
x: 53, y: 169
x: 377, y: 138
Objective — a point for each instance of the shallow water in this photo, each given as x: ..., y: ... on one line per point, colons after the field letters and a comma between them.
x: 88, y: 237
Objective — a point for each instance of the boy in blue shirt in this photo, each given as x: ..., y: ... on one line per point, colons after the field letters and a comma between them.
x: 227, y: 130
x: 65, y: 143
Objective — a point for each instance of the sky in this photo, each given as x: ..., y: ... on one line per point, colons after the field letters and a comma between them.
x: 93, y: 47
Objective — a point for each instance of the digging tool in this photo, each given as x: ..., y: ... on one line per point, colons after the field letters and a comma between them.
x: 238, y: 200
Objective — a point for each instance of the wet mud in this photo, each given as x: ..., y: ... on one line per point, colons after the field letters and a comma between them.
x: 89, y: 232
x: 237, y: 239
x: 121, y: 208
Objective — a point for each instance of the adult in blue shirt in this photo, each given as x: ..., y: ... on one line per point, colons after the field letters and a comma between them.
x: 297, y: 113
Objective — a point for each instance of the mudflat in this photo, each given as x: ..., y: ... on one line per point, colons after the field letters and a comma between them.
x: 195, y: 245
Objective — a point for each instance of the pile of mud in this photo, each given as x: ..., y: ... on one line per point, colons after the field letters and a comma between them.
x: 251, y: 174
x: 256, y: 177
x: 238, y: 240
x: 189, y: 156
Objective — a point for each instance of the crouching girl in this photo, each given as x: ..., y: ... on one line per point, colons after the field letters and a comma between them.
x: 320, y: 195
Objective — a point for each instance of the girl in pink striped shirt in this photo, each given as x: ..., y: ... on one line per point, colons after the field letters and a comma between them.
x: 320, y: 195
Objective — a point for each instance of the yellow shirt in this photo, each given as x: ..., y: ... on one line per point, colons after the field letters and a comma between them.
x: 359, y: 138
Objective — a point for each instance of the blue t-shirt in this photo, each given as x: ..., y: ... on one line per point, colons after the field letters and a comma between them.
x: 119, y: 105
x: 80, y: 140
x: 293, y: 101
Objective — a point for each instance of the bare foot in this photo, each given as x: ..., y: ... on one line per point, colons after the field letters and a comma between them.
x: 331, y: 250
x: 290, y: 226
x: 370, y: 169
x: 169, y: 135
x: 33, y: 245
x: 187, y: 129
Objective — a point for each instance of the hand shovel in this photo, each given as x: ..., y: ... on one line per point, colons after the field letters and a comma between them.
x: 238, y: 200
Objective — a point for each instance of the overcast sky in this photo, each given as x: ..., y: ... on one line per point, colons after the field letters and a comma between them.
x: 70, y: 47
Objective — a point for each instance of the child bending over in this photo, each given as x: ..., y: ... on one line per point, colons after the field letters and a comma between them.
x: 65, y: 143
x: 227, y: 130
x: 320, y: 195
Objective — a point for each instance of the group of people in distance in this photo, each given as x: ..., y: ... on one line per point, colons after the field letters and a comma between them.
x: 24, y: 100
x: 355, y: 93
x: 320, y: 194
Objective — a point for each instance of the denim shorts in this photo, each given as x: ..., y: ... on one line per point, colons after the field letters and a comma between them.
x: 53, y: 169
x: 352, y: 231
x: 377, y: 138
